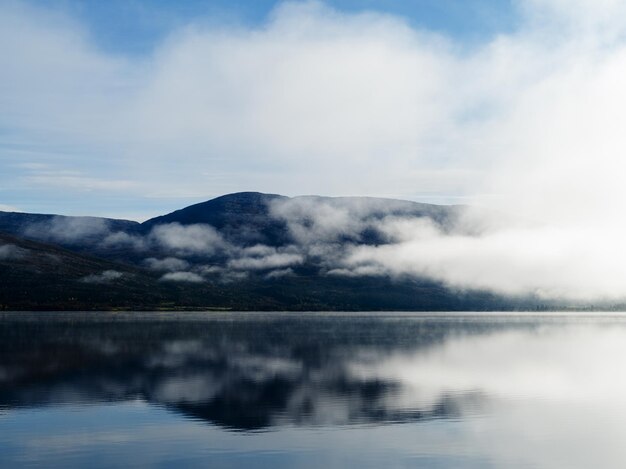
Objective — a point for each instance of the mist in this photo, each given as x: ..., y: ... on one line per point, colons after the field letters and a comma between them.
x: 106, y: 276
x: 11, y: 252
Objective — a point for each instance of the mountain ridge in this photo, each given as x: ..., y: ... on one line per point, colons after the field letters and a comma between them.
x: 247, y: 251
x: 241, y: 216
x: 41, y: 216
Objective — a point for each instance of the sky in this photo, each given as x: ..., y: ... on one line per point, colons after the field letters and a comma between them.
x: 88, y: 88
x: 132, y: 109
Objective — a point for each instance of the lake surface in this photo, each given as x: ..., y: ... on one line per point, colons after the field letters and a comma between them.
x: 312, y: 390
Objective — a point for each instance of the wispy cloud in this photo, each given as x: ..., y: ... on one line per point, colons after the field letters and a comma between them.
x: 68, y: 229
x: 106, y: 276
x: 166, y: 264
x: 189, y: 239
x: 264, y: 257
x: 11, y: 252
x: 76, y: 180
x: 182, y: 277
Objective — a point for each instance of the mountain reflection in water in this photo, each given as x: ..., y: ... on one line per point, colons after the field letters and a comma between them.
x: 243, y: 373
x: 509, y: 378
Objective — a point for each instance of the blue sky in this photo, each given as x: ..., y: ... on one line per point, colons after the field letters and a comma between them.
x: 136, y: 26
x: 135, y: 108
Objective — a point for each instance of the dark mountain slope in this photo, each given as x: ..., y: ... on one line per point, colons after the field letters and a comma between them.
x: 19, y: 224
x: 242, y: 218
x: 247, y: 218
x: 221, y: 211
x: 36, y: 276
x: 39, y: 276
x: 80, y: 234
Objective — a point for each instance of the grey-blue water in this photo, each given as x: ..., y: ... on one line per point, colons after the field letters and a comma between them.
x: 312, y: 390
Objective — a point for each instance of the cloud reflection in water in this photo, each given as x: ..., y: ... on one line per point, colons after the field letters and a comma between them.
x: 259, y: 373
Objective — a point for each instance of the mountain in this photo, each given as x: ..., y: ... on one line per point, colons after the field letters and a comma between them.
x: 27, y: 223
x: 246, y: 217
x: 80, y: 234
x: 242, y: 219
x: 240, y: 251
x: 41, y: 276
x: 38, y: 276
x: 223, y: 212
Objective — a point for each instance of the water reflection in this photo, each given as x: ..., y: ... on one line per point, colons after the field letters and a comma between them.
x: 242, y: 374
x: 261, y: 371
x: 271, y: 390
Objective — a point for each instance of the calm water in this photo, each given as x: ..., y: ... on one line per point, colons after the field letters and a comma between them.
x: 312, y: 390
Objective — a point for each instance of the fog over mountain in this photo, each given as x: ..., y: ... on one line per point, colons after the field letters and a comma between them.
x: 268, y: 239
x: 232, y: 236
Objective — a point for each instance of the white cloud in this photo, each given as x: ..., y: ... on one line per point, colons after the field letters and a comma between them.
x: 122, y: 239
x: 291, y: 94
x: 182, y: 277
x: 68, y: 229
x: 77, y: 180
x: 313, y: 92
x: 548, y: 262
x: 167, y: 264
x: 11, y: 252
x: 106, y: 276
x: 189, y: 239
x: 588, y: 19
x: 279, y: 273
x: 271, y: 261
x: 313, y: 220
